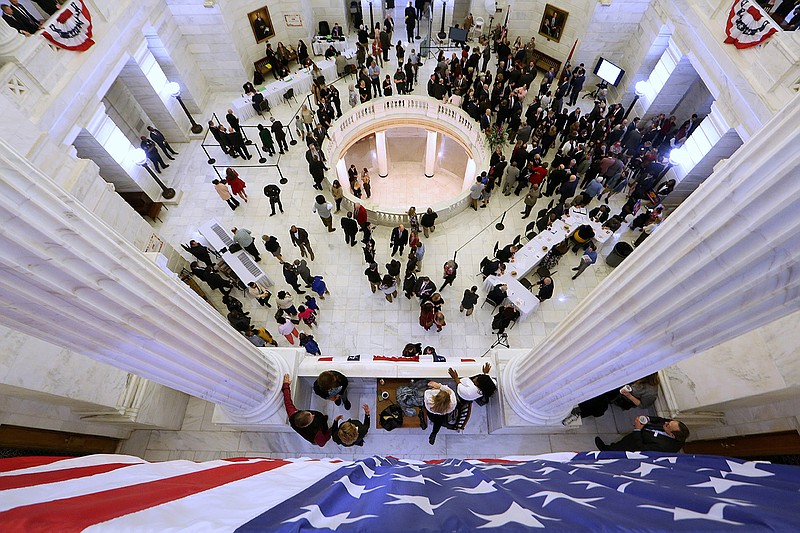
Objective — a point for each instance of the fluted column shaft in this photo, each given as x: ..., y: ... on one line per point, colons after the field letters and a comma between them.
x: 381, y: 152
x: 68, y: 278
x: 430, y: 153
x: 723, y: 263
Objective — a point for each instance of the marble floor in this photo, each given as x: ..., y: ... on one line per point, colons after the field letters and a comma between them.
x: 353, y: 319
x: 406, y: 184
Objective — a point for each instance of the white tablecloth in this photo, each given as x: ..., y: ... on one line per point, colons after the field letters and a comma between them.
x: 273, y: 92
x: 534, y: 251
x: 319, y: 47
x: 517, y: 295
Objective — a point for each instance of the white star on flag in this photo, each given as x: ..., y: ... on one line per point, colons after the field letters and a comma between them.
x: 514, y: 514
x: 354, y: 490
x: 414, y: 479
x: 482, y: 488
x: 550, y: 496
x: 715, y: 514
x: 317, y: 520
x: 748, y: 469
x: 645, y: 469
x: 720, y: 485
x: 420, y: 501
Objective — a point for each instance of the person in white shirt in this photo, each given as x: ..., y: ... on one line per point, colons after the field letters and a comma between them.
x: 440, y: 400
x: 479, y: 387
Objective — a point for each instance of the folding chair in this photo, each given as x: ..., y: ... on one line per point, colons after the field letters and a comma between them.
x: 289, y: 95
x: 492, y: 302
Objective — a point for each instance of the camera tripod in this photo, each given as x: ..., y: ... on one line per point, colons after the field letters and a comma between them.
x: 502, y: 340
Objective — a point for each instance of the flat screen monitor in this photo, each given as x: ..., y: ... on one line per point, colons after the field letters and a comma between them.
x: 608, y: 71
x: 458, y: 34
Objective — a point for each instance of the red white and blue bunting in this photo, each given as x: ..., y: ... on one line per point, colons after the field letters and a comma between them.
x: 71, y: 27
x: 747, y: 25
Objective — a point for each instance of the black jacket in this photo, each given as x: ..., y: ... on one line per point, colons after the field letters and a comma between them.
x: 362, y: 431
x: 341, y: 380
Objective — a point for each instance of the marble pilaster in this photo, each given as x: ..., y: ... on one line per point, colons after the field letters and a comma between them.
x: 722, y: 264
x: 66, y: 276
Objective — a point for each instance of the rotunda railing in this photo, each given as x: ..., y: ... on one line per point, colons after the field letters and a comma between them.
x: 398, y: 111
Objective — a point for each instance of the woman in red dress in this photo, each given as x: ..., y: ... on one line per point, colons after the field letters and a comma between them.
x: 236, y: 183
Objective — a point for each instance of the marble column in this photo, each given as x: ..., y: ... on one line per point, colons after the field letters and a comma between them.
x: 102, y: 142
x: 430, y: 154
x: 724, y: 263
x: 383, y: 157
x: 68, y: 278
x: 469, y: 174
x: 145, y: 80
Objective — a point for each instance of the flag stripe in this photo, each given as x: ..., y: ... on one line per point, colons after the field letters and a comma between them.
x: 226, y: 507
x: 29, y: 480
x: 82, y: 511
x: 134, y: 475
x: 16, y: 463
x: 16, y: 467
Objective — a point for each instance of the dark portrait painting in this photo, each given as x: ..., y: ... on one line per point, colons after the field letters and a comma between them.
x: 261, y: 24
x: 553, y: 21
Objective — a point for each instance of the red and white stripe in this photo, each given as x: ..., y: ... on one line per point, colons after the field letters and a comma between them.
x: 118, y: 492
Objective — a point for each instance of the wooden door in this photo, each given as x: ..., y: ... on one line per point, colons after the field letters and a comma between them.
x: 761, y: 445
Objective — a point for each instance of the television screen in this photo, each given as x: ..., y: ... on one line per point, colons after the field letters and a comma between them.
x: 458, y: 34
x: 608, y: 71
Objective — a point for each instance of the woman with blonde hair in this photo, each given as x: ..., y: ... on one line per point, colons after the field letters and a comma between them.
x: 413, y: 219
x: 440, y: 400
x: 352, y: 432
x: 365, y: 182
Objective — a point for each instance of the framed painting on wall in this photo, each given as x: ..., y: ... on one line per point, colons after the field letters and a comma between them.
x: 553, y: 22
x: 261, y: 24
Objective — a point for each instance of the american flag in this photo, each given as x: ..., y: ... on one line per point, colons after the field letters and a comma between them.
x: 595, y: 491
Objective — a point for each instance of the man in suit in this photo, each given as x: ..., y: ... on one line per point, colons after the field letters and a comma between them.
x: 23, y: 24
x: 336, y: 31
x: 411, y: 22
x: 219, y: 136
x: 424, y: 288
x: 48, y: 6
x: 350, y: 228
x: 152, y: 154
x: 655, y: 435
x: 279, y: 134
x: 399, y: 239
x: 237, y: 142
x: 300, y: 239
x: 161, y: 141
x: 233, y: 120
x: 545, y: 289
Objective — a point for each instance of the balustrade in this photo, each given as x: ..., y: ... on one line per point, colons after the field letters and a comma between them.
x: 382, y: 113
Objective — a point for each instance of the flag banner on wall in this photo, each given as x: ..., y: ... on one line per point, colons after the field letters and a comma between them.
x: 595, y: 491
x: 747, y: 25
x: 71, y: 27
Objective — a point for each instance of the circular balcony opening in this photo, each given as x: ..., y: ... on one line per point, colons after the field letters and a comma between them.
x: 406, y: 183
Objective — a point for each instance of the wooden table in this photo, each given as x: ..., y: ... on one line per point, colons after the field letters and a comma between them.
x: 390, y: 385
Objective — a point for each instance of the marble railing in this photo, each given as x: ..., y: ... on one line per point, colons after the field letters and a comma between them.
x: 381, y: 113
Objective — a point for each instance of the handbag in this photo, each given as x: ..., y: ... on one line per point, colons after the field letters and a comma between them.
x: 391, y: 417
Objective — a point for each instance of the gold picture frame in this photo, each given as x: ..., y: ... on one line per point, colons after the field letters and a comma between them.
x: 261, y: 23
x: 553, y: 22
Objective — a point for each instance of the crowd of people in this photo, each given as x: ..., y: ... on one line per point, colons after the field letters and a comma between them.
x: 592, y: 157
x: 428, y: 400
